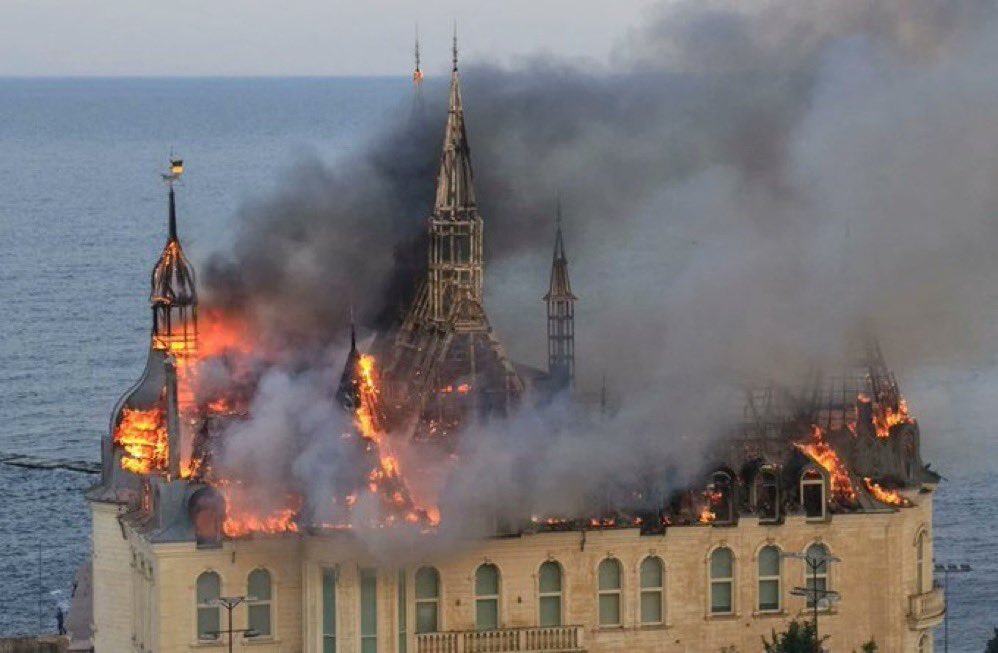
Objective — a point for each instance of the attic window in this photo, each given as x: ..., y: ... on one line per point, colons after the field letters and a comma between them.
x: 767, y: 498
x: 812, y: 493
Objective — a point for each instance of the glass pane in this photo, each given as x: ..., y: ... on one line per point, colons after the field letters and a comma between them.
x: 814, y: 504
x: 426, y: 617
x: 328, y: 602
x: 368, y: 603
x: 369, y: 645
x: 720, y: 597
x: 769, y: 561
x: 550, y: 611
x: 259, y: 585
x: 609, y: 574
x: 815, y: 584
x: 769, y: 595
x: 329, y: 644
x: 208, y: 623
x: 209, y: 587
x: 609, y: 609
x: 651, y: 607
x: 259, y: 619
x: 817, y: 552
x: 487, y: 581
x: 486, y: 614
x: 720, y: 564
x: 427, y: 583
x: 550, y: 577
x: 651, y: 572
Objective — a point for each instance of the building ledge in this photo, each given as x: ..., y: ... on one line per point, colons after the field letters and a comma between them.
x: 926, y: 610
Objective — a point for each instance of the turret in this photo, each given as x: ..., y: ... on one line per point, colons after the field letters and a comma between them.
x: 455, y: 260
x: 147, y: 424
x: 561, y: 314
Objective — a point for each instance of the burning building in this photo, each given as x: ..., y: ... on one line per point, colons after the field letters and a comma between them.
x: 831, y: 469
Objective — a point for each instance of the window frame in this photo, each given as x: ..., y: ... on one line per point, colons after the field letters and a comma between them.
x: 257, y: 602
x: 920, y: 561
x: 777, y: 578
x: 332, y: 574
x: 211, y: 604
x: 363, y: 574
x: 651, y: 590
x: 489, y: 598
x: 760, y: 483
x: 560, y: 594
x: 617, y: 592
x: 824, y: 578
x: 822, y: 483
x: 435, y: 601
x: 721, y: 580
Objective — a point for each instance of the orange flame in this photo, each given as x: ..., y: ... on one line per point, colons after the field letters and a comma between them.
x: 243, y: 516
x: 822, y: 453
x: 883, y: 495
x: 142, y: 436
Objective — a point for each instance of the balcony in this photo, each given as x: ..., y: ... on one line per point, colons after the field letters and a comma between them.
x: 926, y: 610
x: 557, y: 639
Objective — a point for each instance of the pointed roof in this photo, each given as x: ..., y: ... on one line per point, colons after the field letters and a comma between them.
x: 560, y: 287
x: 173, y: 281
x: 455, y: 191
x: 348, y: 393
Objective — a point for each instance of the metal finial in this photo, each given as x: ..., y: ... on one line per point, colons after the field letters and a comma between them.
x: 454, y: 50
x: 557, y: 219
x: 353, y: 331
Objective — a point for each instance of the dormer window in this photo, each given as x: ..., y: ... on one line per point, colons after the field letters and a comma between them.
x: 766, y: 495
x: 812, y: 493
x: 721, y: 495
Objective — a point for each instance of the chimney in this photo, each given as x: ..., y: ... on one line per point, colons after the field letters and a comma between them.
x: 172, y: 419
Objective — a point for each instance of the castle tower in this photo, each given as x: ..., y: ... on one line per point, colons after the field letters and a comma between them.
x: 445, y: 361
x: 561, y: 315
x: 141, y: 437
x: 455, y: 261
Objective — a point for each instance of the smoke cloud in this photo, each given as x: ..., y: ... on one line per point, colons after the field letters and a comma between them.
x: 744, y: 186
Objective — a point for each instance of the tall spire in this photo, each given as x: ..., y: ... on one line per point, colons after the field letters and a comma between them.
x: 454, y: 49
x: 455, y: 191
x: 173, y: 216
x: 560, y: 312
x: 417, y: 74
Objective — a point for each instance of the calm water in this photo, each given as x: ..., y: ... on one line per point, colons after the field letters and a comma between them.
x: 82, y: 219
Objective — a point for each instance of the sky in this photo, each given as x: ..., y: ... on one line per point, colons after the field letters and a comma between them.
x: 295, y: 37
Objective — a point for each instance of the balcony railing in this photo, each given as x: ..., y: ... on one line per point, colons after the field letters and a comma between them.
x: 557, y: 639
x: 927, y: 609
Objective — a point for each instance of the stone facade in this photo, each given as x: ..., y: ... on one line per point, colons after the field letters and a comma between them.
x: 145, y: 592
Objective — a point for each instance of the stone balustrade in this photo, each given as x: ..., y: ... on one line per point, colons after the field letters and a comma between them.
x: 555, y: 639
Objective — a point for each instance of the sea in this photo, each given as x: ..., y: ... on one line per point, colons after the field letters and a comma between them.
x: 83, y: 218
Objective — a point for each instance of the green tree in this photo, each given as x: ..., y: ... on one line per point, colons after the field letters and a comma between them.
x: 992, y: 644
x: 800, y: 637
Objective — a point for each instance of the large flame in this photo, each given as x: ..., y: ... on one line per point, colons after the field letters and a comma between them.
x: 822, y: 453
x: 244, y: 516
x: 883, y: 495
x: 142, y: 436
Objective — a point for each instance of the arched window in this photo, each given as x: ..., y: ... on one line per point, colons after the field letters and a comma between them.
x: 812, y: 493
x: 328, y: 611
x: 609, y: 592
x: 722, y: 581
x: 816, y: 569
x: 258, y: 602
x: 549, y: 594
x: 920, y: 563
x: 769, y: 579
x: 652, y: 587
x: 427, y: 600
x: 487, y: 597
x: 209, y: 589
x: 767, y: 497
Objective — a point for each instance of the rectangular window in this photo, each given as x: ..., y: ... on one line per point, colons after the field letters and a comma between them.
x: 487, y: 614
x: 820, y: 584
x: 720, y: 597
x: 328, y: 611
x: 651, y: 607
x: 368, y: 611
x: 401, y: 611
x: 769, y: 595
x: 550, y: 611
x: 609, y: 609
